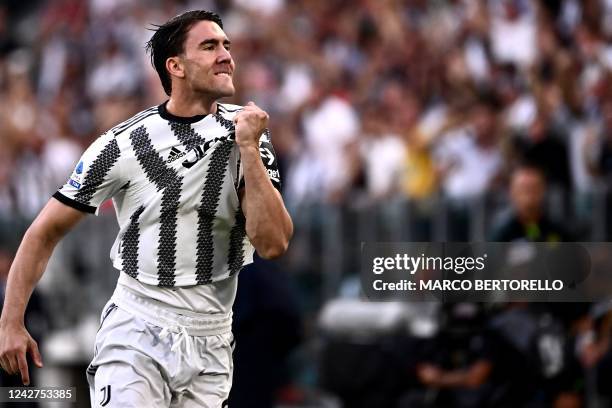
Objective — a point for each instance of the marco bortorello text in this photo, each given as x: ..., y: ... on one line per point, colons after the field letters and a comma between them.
x: 525, y: 271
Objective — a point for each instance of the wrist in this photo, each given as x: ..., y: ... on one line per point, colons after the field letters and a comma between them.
x: 10, y: 322
x: 248, y: 148
x: 11, y: 316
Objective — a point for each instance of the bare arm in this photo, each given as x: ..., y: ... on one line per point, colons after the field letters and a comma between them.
x: 268, y: 224
x: 53, y: 222
x: 471, y: 377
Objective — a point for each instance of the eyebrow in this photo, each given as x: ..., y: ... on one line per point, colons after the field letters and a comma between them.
x: 214, y: 41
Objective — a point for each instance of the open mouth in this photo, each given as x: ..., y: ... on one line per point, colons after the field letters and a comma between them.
x: 224, y: 74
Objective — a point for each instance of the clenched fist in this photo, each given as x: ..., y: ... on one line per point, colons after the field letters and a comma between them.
x: 250, y: 124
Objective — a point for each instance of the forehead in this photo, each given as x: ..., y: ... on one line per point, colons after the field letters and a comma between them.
x: 204, y: 30
x: 528, y: 176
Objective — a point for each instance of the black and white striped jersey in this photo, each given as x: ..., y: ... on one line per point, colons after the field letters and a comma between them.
x: 174, y: 182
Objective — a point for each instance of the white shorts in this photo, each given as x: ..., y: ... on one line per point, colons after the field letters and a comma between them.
x: 147, y: 355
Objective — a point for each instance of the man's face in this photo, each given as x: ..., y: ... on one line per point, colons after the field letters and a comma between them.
x: 483, y: 122
x: 208, y: 64
x: 527, y: 191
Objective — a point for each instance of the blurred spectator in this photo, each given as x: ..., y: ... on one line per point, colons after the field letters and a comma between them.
x: 539, y: 145
x: 381, y: 148
x: 595, y: 350
x: 600, y: 152
x: 456, y: 367
x: 534, y: 364
x: 331, y: 127
x: 114, y: 75
x: 528, y: 219
x: 556, y: 325
x: 419, y: 178
x: 513, y: 31
x: 470, y: 156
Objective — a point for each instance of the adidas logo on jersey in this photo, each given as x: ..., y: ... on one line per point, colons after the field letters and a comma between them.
x: 175, y: 154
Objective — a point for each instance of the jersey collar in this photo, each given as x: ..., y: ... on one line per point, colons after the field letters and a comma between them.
x: 163, y: 112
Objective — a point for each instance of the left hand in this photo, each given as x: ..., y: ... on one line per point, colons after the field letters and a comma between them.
x: 250, y: 124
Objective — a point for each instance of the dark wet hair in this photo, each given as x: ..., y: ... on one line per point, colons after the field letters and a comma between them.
x: 169, y: 40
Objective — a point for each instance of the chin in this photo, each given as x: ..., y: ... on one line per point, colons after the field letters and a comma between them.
x: 225, y: 91
x: 215, y: 91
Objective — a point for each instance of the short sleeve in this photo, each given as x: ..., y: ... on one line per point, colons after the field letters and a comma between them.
x: 95, y: 178
x: 268, y: 157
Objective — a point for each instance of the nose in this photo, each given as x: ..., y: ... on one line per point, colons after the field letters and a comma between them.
x: 224, y: 56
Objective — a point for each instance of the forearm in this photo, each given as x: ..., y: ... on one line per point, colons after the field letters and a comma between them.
x: 470, y: 377
x: 26, y: 270
x: 453, y: 379
x: 268, y: 224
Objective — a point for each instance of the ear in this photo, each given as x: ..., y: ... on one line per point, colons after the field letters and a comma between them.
x: 175, y: 67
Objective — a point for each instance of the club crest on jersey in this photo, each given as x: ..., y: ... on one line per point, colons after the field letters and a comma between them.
x: 193, y: 156
x: 197, y: 153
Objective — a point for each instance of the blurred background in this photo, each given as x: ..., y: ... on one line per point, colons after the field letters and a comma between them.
x: 393, y: 120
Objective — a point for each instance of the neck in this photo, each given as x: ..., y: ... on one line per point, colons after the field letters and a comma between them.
x: 180, y: 104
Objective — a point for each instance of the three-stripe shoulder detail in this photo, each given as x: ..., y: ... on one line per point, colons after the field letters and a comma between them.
x: 139, y: 117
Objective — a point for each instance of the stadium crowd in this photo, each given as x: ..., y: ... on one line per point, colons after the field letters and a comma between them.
x: 372, y: 101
